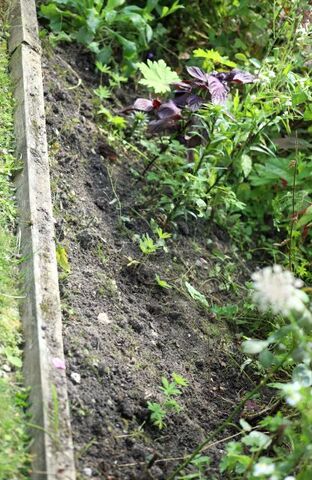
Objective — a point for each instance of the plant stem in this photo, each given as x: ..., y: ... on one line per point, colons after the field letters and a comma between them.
x: 293, y: 208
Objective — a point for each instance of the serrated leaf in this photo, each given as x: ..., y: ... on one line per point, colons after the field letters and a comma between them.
x: 179, y: 380
x: 157, y: 76
x: 214, y: 56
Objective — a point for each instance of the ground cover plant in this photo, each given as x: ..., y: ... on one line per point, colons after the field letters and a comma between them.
x: 13, y: 398
x: 201, y: 158
x: 109, y: 29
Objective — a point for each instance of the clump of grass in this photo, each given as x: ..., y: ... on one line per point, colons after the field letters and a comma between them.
x: 13, y: 399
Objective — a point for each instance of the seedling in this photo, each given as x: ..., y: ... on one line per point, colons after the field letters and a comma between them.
x: 170, y: 390
x: 148, y: 245
x: 162, y: 283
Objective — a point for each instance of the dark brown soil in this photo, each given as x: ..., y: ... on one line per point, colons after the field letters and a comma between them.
x: 122, y: 332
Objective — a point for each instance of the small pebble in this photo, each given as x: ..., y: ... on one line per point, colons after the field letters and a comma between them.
x: 87, y: 471
x: 76, y: 378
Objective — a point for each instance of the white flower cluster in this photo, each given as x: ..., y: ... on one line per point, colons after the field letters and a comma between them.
x: 278, y: 290
x: 264, y: 467
x: 293, y: 393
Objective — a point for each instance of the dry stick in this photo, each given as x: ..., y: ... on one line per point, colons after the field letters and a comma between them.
x: 174, y: 459
x: 229, y: 419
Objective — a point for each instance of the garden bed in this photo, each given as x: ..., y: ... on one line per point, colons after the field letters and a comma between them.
x: 122, y: 332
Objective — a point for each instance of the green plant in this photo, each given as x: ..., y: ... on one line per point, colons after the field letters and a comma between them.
x: 245, y: 165
x: 148, y: 245
x: 111, y: 29
x: 284, y: 447
x: 162, y: 283
x: 14, y: 458
x: 62, y: 261
x: 170, y: 390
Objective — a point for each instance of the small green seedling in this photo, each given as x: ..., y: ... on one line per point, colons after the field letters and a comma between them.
x: 147, y: 244
x: 162, y: 283
x: 159, y: 411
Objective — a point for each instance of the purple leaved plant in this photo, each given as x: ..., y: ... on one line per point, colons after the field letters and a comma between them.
x: 189, y: 95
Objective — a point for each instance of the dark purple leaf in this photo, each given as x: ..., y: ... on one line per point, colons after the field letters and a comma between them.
x: 222, y: 76
x: 217, y: 89
x: 167, y: 123
x: 143, y: 105
x: 168, y: 109
x: 238, y: 76
x: 197, y: 73
x: 194, y: 102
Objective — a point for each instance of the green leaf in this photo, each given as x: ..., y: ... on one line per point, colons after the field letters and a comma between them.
x: 169, y: 388
x: 103, y: 92
x: 266, y: 358
x: 112, y: 4
x: 162, y: 283
x: 257, y: 441
x: 214, y: 57
x: 172, y: 404
x: 157, y: 76
x: 196, y: 295
x: 246, y: 164
x: 307, y: 116
x: 62, y: 258
x: 158, y: 414
x: 305, y: 219
x: 54, y: 14
x: 179, y: 380
x: 252, y: 347
x: 93, y: 20
x: 245, y: 425
x: 13, y: 359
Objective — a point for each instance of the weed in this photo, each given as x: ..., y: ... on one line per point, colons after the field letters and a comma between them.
x: 162, y: 283
x: 108, y: 28
x: 159, y: 411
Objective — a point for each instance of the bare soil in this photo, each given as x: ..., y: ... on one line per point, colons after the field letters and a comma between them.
x: 122, y: 332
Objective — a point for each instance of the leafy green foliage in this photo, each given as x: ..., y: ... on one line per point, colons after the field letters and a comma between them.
x: 157, y: 76
x: 110, y: 30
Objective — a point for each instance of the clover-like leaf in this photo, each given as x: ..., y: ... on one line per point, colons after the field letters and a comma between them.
x: 157, y: 76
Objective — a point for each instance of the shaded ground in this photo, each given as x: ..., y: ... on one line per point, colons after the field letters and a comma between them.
x: 122, y: 332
